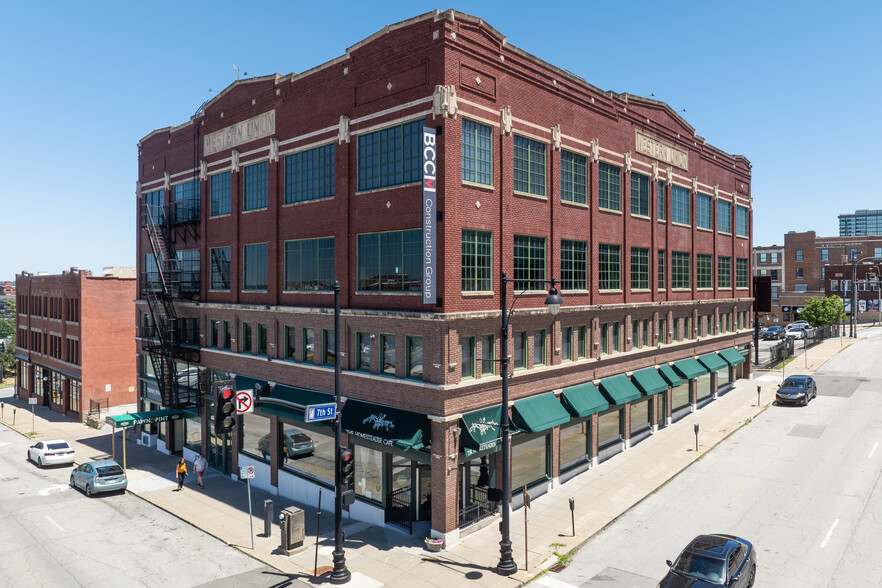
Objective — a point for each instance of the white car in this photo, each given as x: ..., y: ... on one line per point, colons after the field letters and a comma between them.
x: 800, y: 324
x: 54, y: 452
x: 795, y: 333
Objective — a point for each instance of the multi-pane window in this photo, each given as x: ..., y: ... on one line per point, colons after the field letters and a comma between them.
x: 255, y: 267
x: 573, y: 177
x: 662, y: 331
x: 529, y: 262
x: 639, y: 195
x: 566, y: 344
x: 308, y: 344
x: 773, y: 258
x: 220, y: 194
x: 261, y: 339
x: 309, y: 175
x: 488, y: 354
x: 573, y: 265
x: 741, y: 273
x: 610, y: 267
x: 477, y: 257
x: 680, y: 270
x: 680, y: 212
x: 635, y: 334
x: 309, y: 264
x: 363, y: 352
x: 254, y: 196
x: 477, y: 152
x: 414, y: 358
x: 520, y: 350
x: 799, y: 273
x: 582, y: 341
x: 290, y: 342
x: 662, y: 267
x: 724, y: 217
x: 639, y: 268
x: 220, y: 268
x: 390, y: 262
x: 799, y: 255
x: 329, y: 351
x: 704, y: 271
x: 186, y: 198
x: 703, y: 212
x: 389, y: 157
x: 610, y: 196
x: 660, y: 196
x: 387, y: 355
x: 188, y: 265
x: 246, y: 343
x: 724, y: 272
x: 763, y: 258
x: 529, y: 166
x: 538, y: 348
x: 741, y: 221
x: 825, y: 254
x: 154, y: 201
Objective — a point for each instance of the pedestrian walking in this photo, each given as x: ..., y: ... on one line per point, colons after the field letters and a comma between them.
x: 181, y: 471
x: 199, y: 466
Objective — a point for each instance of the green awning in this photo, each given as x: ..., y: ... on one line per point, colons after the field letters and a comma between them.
x: 712, y: 362
x: 619, y: 389
x: 286, y: 401
x: 667, y: 372
x: 648, y: 381
x: 260, y: 387
x: 147, y: 418
x: 732, y: 356
x: 583, y: 400
x: 689, y: 368
x: 481, y: 429
x: 386, y: 425
x: 538, y: 413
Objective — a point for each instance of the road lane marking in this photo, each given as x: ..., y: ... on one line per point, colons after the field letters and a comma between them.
x: 48, y: 518
x: 57, y: 487
x: 829, y: 534
x: 873, y: 450
x: 553, y: 583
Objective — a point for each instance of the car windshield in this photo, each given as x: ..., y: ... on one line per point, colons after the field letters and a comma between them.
x: 109, y: 470
x: 57, y: 446
x: 701, y: 568
x: 788, y: 383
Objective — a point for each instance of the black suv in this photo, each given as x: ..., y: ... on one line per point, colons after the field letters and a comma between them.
x: 774, y: 333
x: 713, y: 560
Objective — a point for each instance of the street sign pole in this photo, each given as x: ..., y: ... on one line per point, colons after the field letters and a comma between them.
x: 250, y: 514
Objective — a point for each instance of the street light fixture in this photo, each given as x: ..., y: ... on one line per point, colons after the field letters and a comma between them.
x: 341, y: 574
x: 553, y: 301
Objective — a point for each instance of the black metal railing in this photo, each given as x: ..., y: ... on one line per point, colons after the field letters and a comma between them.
x: 399, y: 510
x: 95, y: 406
x: 479, y: 507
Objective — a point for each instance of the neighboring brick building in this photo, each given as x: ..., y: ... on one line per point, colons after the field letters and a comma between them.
x: 281, y: 184
x: 74, y: 340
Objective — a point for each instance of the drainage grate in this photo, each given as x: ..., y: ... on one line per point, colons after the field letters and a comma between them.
x: 557, y: 568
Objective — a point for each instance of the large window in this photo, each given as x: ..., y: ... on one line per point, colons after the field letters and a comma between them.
x: 529, y: 461
x: 680, y: 270
x: 575, y: 442
x: 680, y: 212
x: 639, y: 195
x: 573, y: 177
x: 255, y: 267
x: 308, y: 342
x: 390, y: 262
x: 662, y: 273
x: 186, y: 198
x: 467, y: 357
x: 387, y: 355
x: 610, y: 186
x: 255, y: 435
x: 724, y: 272
x: 610, y: 263
x: 724, y: 217
x: 741, y: 273
x: 368, y: 473
x: 488, y: 354
x: 254, y: 195
x: 309, y: 264
x: 573, y: 265
x: 660, y: 197
x: 520, y: 350
x: 363, y: 345
x: 220, y: 268
x: 188, y: 264
x: 151, y: 273
x: 477, y: 152
x: 529, y: 166
x: 154, y: 202
x: 703, y: 212
x: 741, y: 221
x: 307, y: 450
x: 529, y: 262
x: 414, y: 359
x: 309, y: 175
x: 704, y: 271
x: 477, y: 257
x: 389, y: 157
x: 639, y: 268
x: 609, y: 429
x: 220, y: 194
x: 538, y: 348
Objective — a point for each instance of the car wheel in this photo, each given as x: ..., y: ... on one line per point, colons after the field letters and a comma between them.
x: 29, y: 455
x: 752, y: 576
x: 39, y: 462
x: 72, y: 483
x: 89, y: 490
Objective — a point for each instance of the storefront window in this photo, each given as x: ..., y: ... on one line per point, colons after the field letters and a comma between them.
x: 255, y: 435
x: 193, y: 434
x: 609, y: 428
x: 368, y: 473
x: 529, y: 462
x: 74, y: 396
x: 703, y: 387
x: 574, y: 443
x: 680, y: 395
x: 723, y: 377
x: 308, y: 451
x: 640, y: 414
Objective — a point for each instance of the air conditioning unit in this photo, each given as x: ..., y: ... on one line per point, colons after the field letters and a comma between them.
x: 148, y: 440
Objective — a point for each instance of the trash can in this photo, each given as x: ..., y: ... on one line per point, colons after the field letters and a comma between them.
x: 293, y: 524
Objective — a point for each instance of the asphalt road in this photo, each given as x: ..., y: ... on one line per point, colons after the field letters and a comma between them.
x: 801, y: 483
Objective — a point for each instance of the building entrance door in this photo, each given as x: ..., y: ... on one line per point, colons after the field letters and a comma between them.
x: 477, y: 477
x: 400, y: 507
x: 220, y: 454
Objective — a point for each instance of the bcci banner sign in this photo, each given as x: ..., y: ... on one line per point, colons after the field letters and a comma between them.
x: 430, y: 216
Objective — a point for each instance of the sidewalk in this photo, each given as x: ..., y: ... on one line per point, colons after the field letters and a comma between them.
x: 385, y: 557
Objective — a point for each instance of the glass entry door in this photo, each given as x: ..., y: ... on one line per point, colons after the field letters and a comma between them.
x: 400, y: 507
x: 220, y: 453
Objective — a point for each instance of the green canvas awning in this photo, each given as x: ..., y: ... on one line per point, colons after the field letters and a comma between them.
x: 386, y: 425
x: 260, y: 387
x: 670, y: 376
x: 689, y: 368
x: 619, y: 389
x: 538, y: 413
x: 732, y: 356
x: 481, y: 429
x: 712, y: 362
x: 648, y: 381
x: 289, y: 402
x: 583, y: 400
x: 147, y: 418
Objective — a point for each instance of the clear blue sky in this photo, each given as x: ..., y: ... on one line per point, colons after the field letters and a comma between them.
x: 793, y: 86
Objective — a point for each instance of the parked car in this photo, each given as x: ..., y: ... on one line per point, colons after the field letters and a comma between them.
x: 795, y: 333
x: 99, y: 476
x: 54, y: 452
x: 713, y: 560
x: 801, y: 324
x: 773, y: 333
x: 297, y: 443
x: 797, y: 389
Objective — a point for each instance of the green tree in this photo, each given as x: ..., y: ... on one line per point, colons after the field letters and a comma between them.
x: 7, y: 358
x: 819, y: 311
x: 7, y: 328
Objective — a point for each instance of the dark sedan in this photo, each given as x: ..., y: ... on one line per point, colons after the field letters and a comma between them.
x: 797, y: 390
x: 713, y: 560
x: 774, y: 333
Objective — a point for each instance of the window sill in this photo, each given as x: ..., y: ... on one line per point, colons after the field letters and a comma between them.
x: 645, y: 217
x: 477, y: 293
x: 255, y: 209
x: 576, y: 204
x: 386, y: 188
x: 311, y: 200
x: 676, y: 224
x: 486, y: 187
x: 529, y: 195
x: 610, y: 210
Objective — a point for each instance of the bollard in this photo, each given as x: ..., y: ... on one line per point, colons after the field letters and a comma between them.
x: 267, y: 518
x: 573, y: 513
x: 2, y: 406
x: 758, y: 391
x: 696, y: 436
x: 13, y: 417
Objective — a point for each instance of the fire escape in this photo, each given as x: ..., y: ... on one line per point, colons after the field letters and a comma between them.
x: 163, y: 288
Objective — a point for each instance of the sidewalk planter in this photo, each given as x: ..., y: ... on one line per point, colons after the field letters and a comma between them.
x: 434, y: 544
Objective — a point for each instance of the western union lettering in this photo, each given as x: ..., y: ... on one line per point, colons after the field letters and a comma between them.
x: 662, y: 151
x: 262, y: 125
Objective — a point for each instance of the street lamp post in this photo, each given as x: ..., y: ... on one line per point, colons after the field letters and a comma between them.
x: 340, y: 575
x: 853, y: 322
x: 507, y: 565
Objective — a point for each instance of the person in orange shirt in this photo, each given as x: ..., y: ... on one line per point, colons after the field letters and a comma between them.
x: 181, y: 471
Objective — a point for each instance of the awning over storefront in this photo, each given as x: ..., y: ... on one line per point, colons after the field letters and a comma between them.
x: 481, y: 429
x: 147, y: 418
x: 619, y: 389
x: 538, y: 413
x: 289, y: 402
x: 260, y: 387
x: 712, y: 362
x: 583, y: 400
x: 386, y: 425
x: 669, y: 375
x: 648, y: 381
x: 689, y: 368
x: 732, y: 356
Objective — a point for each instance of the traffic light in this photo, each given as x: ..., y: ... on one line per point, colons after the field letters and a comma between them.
x: 225, y: 416
x: 347, y: 475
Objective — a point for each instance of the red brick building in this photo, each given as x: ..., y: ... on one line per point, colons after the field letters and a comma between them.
x: 281, y: 184
x: 74, y: 341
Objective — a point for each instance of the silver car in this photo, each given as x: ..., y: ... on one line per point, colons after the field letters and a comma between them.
x: 99, y: 476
